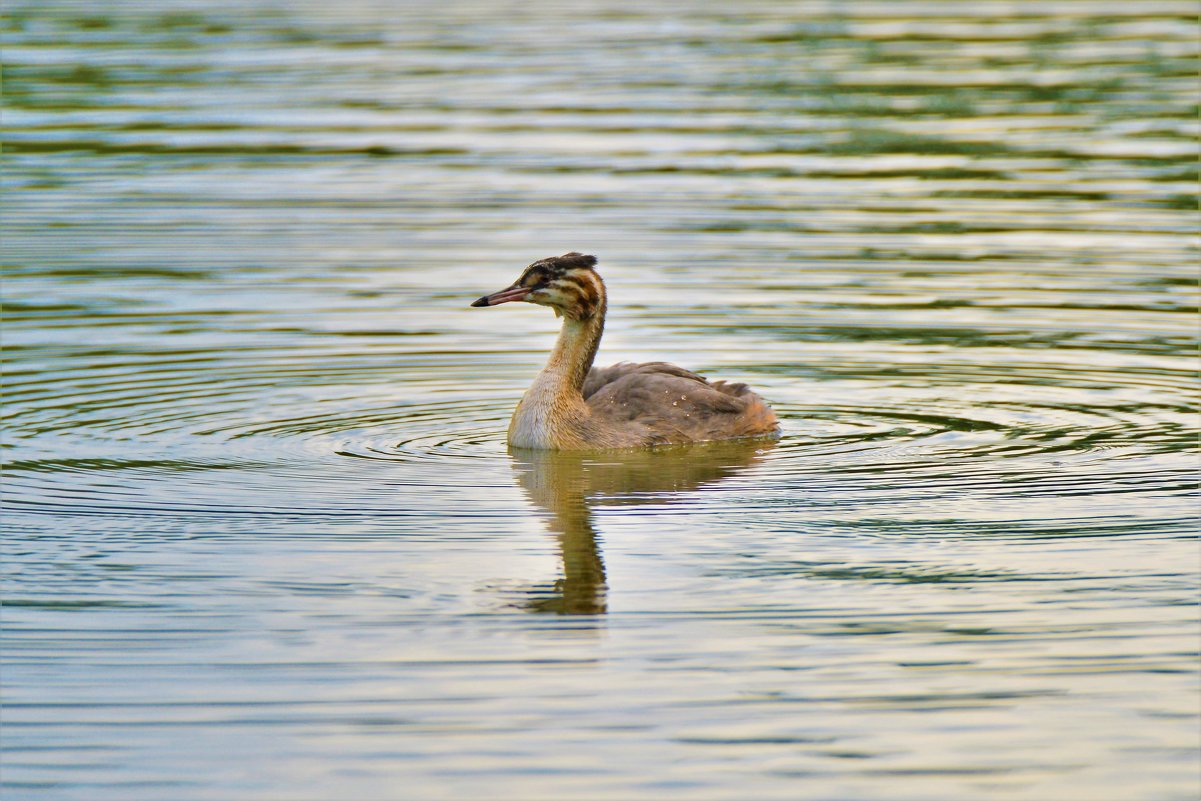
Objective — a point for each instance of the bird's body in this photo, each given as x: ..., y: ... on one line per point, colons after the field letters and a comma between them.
x: 574, y: 406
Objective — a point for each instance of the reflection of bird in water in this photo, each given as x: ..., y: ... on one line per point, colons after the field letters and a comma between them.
x: 569, y: 485
x: 572, y: 406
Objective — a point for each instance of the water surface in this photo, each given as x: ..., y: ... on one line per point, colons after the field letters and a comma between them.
x: 263, y: 537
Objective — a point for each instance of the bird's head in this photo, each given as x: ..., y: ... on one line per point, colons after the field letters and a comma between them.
x: 568, y: 284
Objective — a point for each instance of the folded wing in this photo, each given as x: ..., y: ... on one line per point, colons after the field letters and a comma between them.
x: 667, y: 403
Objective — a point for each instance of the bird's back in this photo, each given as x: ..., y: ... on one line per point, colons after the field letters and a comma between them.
x: 662, y: 403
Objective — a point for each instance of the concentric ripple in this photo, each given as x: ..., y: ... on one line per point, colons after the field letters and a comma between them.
x: 264, y: 537
x: 242, y: 460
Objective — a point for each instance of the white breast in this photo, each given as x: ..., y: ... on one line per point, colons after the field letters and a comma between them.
x: 531, y: 424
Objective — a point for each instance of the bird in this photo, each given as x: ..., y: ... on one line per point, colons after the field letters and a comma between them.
x: 573, y: 406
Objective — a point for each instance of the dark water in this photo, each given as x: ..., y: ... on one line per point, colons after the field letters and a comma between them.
x: 263, y: 539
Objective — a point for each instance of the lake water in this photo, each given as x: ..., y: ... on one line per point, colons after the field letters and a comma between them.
x: 263, y: 536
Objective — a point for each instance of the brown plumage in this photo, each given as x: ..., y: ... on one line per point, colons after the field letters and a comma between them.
x: 573, y: 406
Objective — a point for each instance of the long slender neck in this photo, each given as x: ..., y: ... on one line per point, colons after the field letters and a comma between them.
x: 574, y: 351
x: 553, y: 413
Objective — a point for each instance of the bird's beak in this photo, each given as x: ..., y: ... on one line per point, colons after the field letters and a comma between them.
x: 515, y: 292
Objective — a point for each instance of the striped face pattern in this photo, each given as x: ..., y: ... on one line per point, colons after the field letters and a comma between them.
x: 568, y: 284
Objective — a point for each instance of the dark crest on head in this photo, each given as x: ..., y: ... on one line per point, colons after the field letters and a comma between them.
x: 553, y: 267
x: 566, y: 283
x: 568, y: 261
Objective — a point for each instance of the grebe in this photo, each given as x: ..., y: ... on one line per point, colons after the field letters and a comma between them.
x: 573, y: 406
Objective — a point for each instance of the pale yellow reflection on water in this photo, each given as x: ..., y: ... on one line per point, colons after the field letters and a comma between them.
x: 263, y: 537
